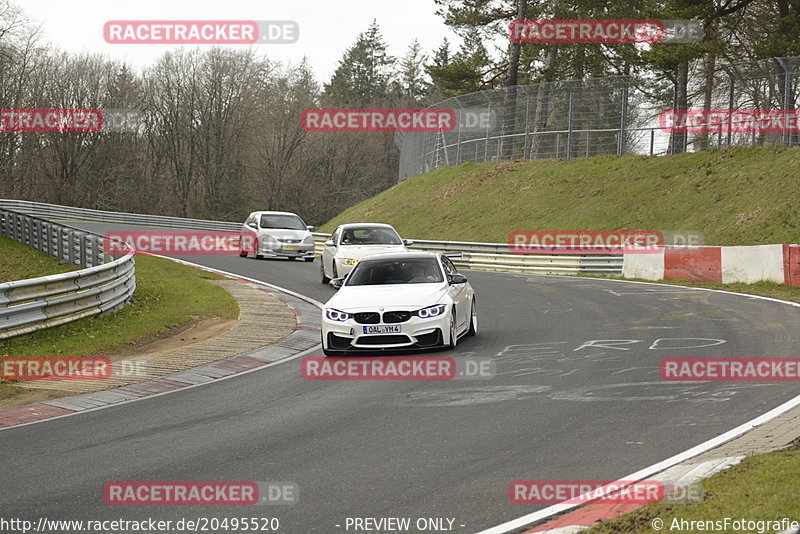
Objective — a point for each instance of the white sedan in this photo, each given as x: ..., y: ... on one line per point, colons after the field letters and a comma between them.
x: 399, y: 301
x: 351, y: 242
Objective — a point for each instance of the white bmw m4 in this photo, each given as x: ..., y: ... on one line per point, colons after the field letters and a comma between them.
x: 395, y: 301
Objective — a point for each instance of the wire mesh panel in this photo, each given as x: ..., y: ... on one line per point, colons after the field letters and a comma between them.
x: 596, y: 116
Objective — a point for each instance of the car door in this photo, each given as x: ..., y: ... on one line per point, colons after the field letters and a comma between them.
x: 459, y: 294
x: 329, y: 251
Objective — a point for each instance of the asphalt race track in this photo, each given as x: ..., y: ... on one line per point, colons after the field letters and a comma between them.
x: 577, y: 396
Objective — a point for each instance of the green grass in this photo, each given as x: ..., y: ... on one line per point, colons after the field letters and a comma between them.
x: 741, y: 196
x: 18, y: 262
x: 168, y: 295
x: 761, y: 487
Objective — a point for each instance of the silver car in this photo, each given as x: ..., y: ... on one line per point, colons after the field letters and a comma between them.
x: 276, y: 234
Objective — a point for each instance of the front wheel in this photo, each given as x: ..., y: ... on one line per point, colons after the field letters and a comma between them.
x: 473, y: 320
x: 453, y: 336
x: 324, y: 278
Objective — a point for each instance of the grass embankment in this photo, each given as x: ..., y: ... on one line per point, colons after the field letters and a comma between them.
x: 762, y: 487
x: 742, y: 196
x: 168, y: 297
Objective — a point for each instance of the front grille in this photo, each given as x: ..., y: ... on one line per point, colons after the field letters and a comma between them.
x: 382, y: 340
x: 396, y: 316
x: 367, y: 317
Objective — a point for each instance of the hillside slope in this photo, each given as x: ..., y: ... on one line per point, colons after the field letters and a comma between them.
x: 734, y: 196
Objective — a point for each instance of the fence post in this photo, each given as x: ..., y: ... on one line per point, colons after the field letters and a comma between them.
x: 731, y: 98
x: 527, y: 150
x: 569, y: 120
x: 458, y: 132
x: 787, y: 95
x: 488, y: 123
x: 623, y: 121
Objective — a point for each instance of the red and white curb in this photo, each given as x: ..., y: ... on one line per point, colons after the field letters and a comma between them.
x: 303, y: 340
x: 589, y: 515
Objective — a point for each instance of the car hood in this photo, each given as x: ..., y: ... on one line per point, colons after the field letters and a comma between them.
x: 359, y: 251
x: 391, y: 296
x: 285, y: 233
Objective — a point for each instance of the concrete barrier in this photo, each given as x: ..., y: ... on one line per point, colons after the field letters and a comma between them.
x: 748, y: 264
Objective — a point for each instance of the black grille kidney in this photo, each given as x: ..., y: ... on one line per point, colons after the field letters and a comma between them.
x: 396, y: 316
x: 367, y: 317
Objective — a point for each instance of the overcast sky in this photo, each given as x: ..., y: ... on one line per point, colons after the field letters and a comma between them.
x: 327, y: 27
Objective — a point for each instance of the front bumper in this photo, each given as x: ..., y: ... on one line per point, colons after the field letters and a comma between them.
x: 415, y: 333
x: 280, y: 250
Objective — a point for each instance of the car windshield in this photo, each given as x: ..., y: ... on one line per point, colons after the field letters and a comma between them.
x: 370, y: 236
x: 290, y: 222
x: 381, y: 272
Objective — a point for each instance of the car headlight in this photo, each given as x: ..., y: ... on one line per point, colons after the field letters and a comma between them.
x: 348, y: 261
x: 308, y: 240
x: 336, y: 315
x: 431, y: 311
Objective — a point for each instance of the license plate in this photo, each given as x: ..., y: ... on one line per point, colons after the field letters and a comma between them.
x: 382, y: 329
x: 291, y: 247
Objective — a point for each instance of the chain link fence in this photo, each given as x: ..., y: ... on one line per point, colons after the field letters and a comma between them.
x: 594, y: 116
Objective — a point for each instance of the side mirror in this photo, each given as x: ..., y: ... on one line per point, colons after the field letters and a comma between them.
x: 456, y: 279
x: 329, y: 243
x: 311, y: 228
x: 336, y: 283
x: 252, y: 225
x: 408, y: 242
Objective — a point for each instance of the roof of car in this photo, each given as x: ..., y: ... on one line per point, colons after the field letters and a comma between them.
x: 363, y: 225
x: 274, y: 213
x: 400, y: 255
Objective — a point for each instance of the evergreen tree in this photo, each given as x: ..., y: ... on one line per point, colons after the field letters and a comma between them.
x: 363, y: 75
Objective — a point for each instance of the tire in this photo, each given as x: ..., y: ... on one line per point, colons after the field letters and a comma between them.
x: 256, y: 255
x: 324, y: 278
x: 309, y: 259
x: 473, y: 320
x: 242, y: 253
x: 453, y: 333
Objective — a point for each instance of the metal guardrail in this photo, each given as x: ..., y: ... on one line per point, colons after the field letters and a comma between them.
x: 54, y: 211
x: 47, y: 301
x: 497, y: 257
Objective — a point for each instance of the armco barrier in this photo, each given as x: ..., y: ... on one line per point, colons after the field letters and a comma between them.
x: 54, y: 212
x: 497, y: 257
x: 47, y: 301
